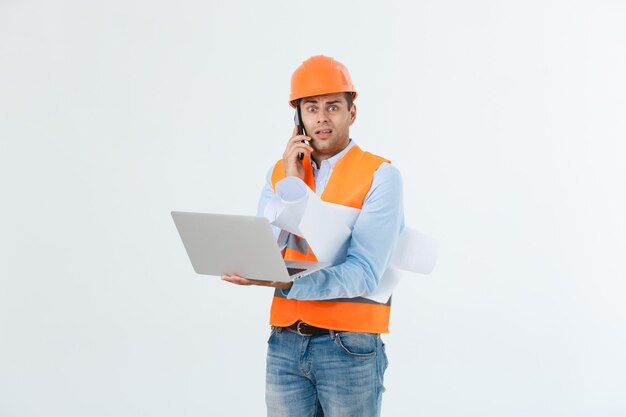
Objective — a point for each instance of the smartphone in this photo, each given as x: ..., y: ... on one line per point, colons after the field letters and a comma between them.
x: 298, y: 121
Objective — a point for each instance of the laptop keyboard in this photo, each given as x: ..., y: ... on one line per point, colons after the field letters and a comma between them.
x: 294, y: 271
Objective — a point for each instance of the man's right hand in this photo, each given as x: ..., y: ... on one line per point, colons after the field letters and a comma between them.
x: 295, y: 146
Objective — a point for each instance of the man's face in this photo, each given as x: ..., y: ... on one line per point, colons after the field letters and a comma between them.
x: 327, y: 120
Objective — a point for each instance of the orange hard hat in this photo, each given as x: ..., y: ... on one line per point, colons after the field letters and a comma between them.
x: 320, y: 75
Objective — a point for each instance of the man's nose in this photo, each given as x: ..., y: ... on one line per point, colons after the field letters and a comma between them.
x: 322, y: 116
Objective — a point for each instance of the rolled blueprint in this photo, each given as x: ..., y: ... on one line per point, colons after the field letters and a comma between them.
x: 415, y: 252
x: 327, y: 228
x: 298, y: 210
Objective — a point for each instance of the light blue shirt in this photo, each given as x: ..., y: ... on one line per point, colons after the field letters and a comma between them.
x: 373, y: 241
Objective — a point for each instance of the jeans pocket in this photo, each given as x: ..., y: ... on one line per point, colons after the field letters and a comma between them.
x: 386, y: 362
x: 362, y: 345
x: 272, y: 333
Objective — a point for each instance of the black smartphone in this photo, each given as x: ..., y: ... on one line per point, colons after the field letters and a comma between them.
x: 298, y: 121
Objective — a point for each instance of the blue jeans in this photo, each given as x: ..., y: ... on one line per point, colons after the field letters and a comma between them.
x: 336, y: 375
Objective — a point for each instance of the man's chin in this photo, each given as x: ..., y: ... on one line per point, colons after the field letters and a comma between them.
x: 319, y: 145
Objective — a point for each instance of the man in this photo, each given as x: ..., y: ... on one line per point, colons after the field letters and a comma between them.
x: 325, y: 355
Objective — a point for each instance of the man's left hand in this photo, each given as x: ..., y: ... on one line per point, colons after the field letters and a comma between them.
x: 236, y: 279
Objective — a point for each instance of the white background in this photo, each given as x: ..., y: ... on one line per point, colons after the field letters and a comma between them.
x: 507, y: 120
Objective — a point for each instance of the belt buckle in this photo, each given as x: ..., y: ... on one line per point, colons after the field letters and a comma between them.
x: 300, y: 331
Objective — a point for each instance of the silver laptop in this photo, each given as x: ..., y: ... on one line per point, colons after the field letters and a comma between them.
x: 220, y: 244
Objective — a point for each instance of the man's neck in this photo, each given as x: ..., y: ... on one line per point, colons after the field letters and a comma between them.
x: 319, y: 158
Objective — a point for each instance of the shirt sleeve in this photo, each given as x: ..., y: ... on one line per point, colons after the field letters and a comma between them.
x: 266, y: 195
x: 373, y: 241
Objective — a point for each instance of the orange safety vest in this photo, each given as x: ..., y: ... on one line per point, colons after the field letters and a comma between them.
x: 349, y: 183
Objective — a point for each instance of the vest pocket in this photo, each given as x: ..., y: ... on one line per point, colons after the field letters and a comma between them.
x: 361, y: 345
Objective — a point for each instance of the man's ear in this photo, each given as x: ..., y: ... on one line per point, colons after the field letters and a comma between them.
x: 352, y: 114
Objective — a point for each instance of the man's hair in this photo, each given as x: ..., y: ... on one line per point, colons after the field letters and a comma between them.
x: 349, y: 100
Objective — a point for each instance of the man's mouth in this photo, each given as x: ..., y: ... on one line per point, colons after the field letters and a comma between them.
x: 323, y: 133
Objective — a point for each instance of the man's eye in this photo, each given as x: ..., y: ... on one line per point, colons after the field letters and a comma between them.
x: 311, y: 109
x: 332, y: 108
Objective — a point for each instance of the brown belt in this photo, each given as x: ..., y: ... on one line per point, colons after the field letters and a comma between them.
x: 305, y: 329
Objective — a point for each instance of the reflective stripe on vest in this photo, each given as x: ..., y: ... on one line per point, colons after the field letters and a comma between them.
x: 349, y: 183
